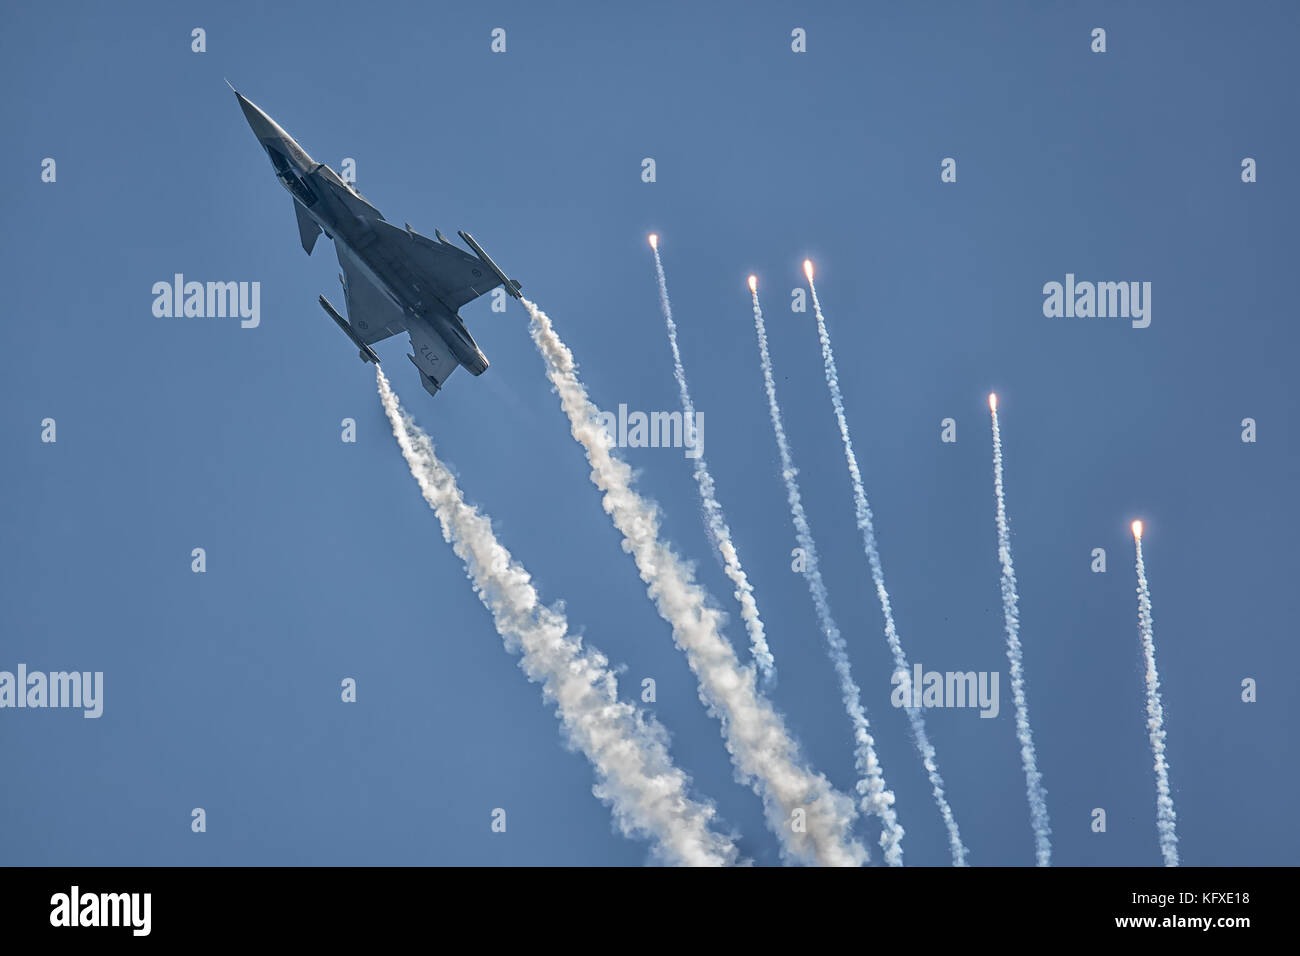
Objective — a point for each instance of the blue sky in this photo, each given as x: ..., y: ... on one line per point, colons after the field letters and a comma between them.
x: 222, y: 688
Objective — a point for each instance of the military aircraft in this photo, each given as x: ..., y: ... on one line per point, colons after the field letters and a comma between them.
x: 394, y: 280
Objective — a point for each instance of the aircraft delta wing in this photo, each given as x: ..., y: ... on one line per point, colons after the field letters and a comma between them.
x: 394, y: 280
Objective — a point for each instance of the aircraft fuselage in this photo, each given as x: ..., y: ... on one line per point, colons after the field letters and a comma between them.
x: 347, y: 218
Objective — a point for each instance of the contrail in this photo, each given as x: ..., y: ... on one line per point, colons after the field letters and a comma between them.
x: 811, y: 819
x: 714, y: 520
x: 875, y: 798
x: 636, y: 776
x: 1011, y: 614
x: 862, y: 509
x: 1165, y: 815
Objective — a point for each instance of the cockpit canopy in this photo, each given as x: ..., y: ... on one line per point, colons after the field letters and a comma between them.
x: 289, y: 176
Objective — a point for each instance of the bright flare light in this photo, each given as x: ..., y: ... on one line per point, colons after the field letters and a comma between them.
x: 654, y: 241
x: 807, y: 269
x: 753, y: 283
x: 993, y: 401
x: 1137, y: 529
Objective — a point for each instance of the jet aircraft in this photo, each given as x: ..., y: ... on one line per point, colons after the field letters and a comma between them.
x: 394, y: 280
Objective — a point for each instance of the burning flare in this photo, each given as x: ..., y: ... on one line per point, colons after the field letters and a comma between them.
x: 807, y: 269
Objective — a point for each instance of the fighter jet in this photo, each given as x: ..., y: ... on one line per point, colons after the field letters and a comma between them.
x: 394, y: 280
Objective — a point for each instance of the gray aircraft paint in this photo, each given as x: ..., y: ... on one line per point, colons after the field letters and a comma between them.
x: 394, y: 280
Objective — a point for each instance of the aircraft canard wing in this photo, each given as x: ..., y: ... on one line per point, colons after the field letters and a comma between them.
x: 457, y: 276
x: 355, y: 203
x: 308, y: 230
x: 371, y: 313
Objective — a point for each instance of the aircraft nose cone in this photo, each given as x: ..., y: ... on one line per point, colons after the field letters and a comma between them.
x: 263, y: 126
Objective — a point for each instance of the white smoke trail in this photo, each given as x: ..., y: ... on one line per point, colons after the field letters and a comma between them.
x: 636, y: 776
x: 1011, y: 615
x: 1165, y: 816
x: 811, y: 819
x: 875, y: 798
x: 714, y: 520
x: 902, y: 668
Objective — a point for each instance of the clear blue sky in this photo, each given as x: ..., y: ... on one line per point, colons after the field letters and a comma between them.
x: 222, y: 689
